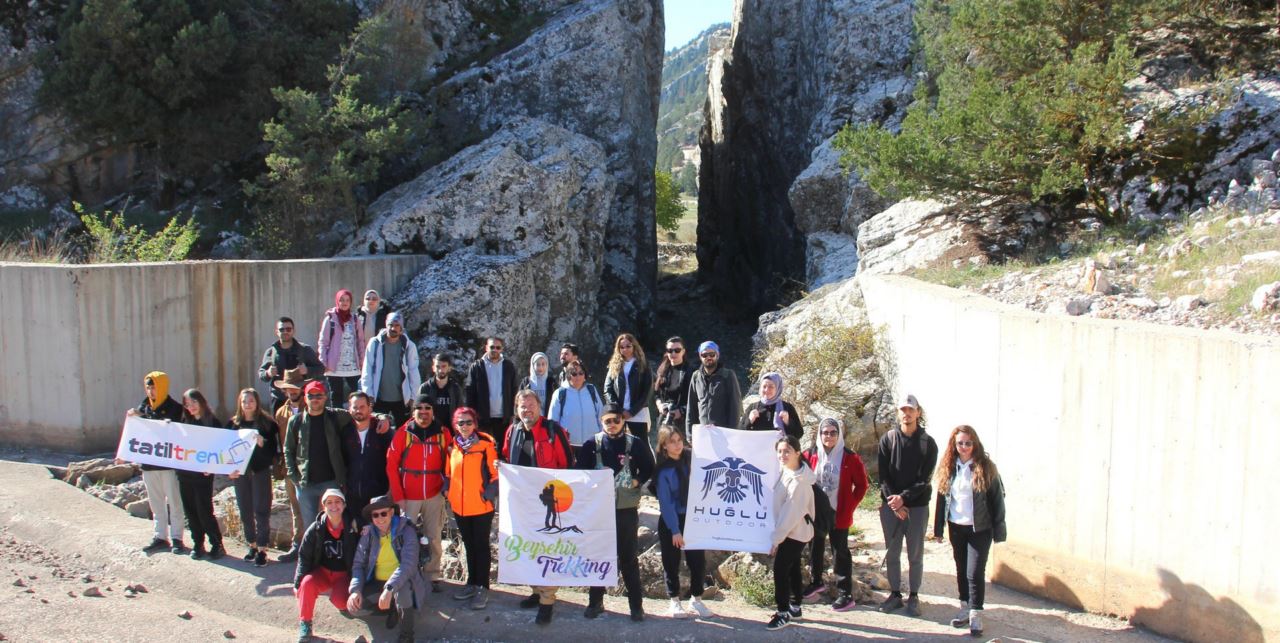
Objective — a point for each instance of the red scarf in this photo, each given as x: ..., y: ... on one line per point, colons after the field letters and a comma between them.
x: 344, y: 316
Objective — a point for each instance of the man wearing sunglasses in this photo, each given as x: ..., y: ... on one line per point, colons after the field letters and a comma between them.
x: 415, y: 469
x: 313, y: 448
x: 287, y: 353
x: 715, y: 397
x: 384, y: 573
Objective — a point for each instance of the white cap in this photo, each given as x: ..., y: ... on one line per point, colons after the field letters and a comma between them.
x: 332, y: 492
x: 907, y: 399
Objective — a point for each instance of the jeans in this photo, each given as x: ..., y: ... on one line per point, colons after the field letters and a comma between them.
x: 895, y: 531
x: 309, y: 499
x: 628, y: 523
x: 696, y: 559
x: 970, y: 549
x: 474, y: 531
x: 340, y: 388
x: 165, y: 499
x: 197, y: 500
x: 295, y: 508
x: 842, y: 560
x: 253, y: 499
x: 369, y: 593
x: 786, y: 574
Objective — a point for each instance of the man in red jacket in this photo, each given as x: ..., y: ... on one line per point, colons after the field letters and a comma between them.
x: 843, y: 479
x: 415, y: 469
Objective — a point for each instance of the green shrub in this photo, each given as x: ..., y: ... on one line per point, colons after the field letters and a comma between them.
x: 667, y: 206
x: 817, y: 362
x: 111, y: 240
x: 756, y: 589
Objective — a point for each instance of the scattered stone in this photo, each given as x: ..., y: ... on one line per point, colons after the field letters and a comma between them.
x: 1188, y: 302
x: 137, y: 588
x: 1217, y: 289
x: 1145, y: 304
x: 1077, y: 307
x: 28, y: 591
x: 1269, y: 256
x: 139, y: 509
x: 100, y: 470
x: 19, y: 583
x: 878, y: 581
x: 71, y: 594
x: 44, y: 600
x: 87, y: 578
x: 1266, y: 297
x: 92, y: 591
x: 228, y: 634
x: 186, y: 615
x: 362, y: 639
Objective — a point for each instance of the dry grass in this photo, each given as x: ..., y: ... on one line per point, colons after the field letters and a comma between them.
x: 819, y: 361
x: 37, y: 249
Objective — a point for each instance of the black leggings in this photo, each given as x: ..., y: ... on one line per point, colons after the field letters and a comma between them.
x: 474, y: 531
x: 341, y: 387
x: 196, y: 490
x: 786, y: 574
x: 970, y: 549
x: 695, y: 558
x: 842, y: 559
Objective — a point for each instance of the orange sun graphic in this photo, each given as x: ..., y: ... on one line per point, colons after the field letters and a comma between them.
x: 563, y: 495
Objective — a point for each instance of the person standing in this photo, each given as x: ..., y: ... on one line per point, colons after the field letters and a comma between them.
x: 415, y: 468
x: 906, y: 457
x: 631, y: 461
x: 313, y: 448
x: 443, y: 389
x: 253, y: 489
x: 569, y: 353
x: 372, y: 314
x: 771, y: 412
x: 793, y: 504
x: 671, y: 485
x: 841, y: 476
x: 197, y: 488
x: 536, y: 441
x: 671, y: 387
x: 324, y: 562
x: 287, y: 353
x: 629, y: 385
x: 576, y: 406
x: 971, y: 503
x: 391, y: 375
x: 714, y: 395
x: 294, y: 403
x: 491, y: 387
x: 471, y: 485
x: 364, y: 447
x: 538, y: 380
x: 384, y: 572
x: 161, y: 483
x: 342, y: 345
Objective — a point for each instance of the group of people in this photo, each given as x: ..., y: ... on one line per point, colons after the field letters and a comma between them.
x: 371, y: 484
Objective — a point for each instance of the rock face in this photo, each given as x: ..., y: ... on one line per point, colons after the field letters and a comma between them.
x: 796, y: 73
x: 517, y: 223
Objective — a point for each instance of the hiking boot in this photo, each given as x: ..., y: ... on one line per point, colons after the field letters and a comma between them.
x: 304, y: 631
x: 465, y: 593
x: 198, y: 552
x: 436, y: 587
x: 961, y: 619
x: 676, y: 610
x: 481, y: 599
x: 289, y: 556
x: 406, y: 627
x: 250, y: 556
x: 697, y: 607
x: 544, y: 615
x: 529, y: 602
x: 779, y: 621
x: 813, y: 591
x: 393, y: 617
x: 593, y: 610
x: 844, y: 603
x: 155, y: 546
x: 178, y: 547
x: 975, y: 622
x: 637, y: 614
x: 913, y: 605
x: 217, y: 551
x: 260, y: 560
x: 892, y: 603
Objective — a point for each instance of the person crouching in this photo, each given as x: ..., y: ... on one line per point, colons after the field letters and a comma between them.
x: 379, y: 582
x: 324, y: 560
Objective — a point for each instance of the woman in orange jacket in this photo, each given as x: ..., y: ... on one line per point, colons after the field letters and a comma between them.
x: 472, y: 484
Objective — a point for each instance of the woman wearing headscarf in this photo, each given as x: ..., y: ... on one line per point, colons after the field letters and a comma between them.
x: 536, y: 380
x: 843, y: 479
x: 342, y: 344
x: 771, y: 412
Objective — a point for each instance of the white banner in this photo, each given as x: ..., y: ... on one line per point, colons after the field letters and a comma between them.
x: 730, y: 504
x: 556, y: 527
x: 186, y: 446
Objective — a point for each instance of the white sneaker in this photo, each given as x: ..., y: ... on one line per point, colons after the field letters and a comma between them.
x: 961, y: 619
x: 697, y: 607
x: 975, y: 622
x: 676, y: 610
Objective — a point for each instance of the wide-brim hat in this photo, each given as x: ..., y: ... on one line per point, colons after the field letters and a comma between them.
x: 381, y: 502
x: 292, y: 378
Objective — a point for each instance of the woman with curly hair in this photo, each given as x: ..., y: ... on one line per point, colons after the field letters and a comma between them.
x: 629, y: 384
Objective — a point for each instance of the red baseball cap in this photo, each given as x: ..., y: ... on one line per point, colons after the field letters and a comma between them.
x: 314, y: 387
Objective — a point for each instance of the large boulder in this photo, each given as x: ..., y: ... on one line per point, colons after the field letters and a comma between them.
x: 101, y: 471
x: 910, y: 234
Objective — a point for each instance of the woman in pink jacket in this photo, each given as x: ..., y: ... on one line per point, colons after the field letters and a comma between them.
x: 342, y: 343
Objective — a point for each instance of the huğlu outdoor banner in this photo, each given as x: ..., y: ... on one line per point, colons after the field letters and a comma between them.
x: 556, y: 527
x: 730, y: 504
x: 186, y: 446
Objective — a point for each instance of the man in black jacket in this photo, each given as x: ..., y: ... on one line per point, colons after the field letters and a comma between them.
x: 714, y: 395
x: 364, y: 447
x: 445, y: 392
x: 324, y: 562
x: 287, y: 353
x: 491, y: 389
x: 907, y: 456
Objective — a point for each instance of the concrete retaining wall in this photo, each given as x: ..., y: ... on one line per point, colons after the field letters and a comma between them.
x: 1141, y: 460
x: 77, y: 340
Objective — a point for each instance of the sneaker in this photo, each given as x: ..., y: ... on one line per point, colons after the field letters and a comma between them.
x: 529, y: 602
x: 593, y: 610
x: 961, y: 619
x: 198, y: 552
x: 436, y: 587
x: 892, y: 603
x: 913, y: 605
x: 304, y: 631
x: 260, y: 560
x: 393, y: 618
x: 975, y: 622
x: 813, y: 591
x: 465, y: 593
x: 250, y: 556
x: 544, y: 614
x: 481, y: 599
x: 795, y: 611
x: 217, y: 552
x: 779, y: 621
x: 178, y: 547
x: 697, y: 607
x: 676, y: 610
x: 155, y: 546
x: 289, y: 556
x: 844, y: 603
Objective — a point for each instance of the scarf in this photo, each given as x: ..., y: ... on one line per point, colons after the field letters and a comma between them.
x: 536, y: 382
x: 344, y: 316
x: 776, y: 401
x: 160, y: 387
x: 828, y: 468
x: 465, y: 442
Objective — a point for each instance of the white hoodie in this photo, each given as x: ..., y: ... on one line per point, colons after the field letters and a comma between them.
x: 792, y: 502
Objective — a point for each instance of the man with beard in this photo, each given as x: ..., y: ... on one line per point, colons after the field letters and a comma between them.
x: 287, y: 353
x: 365, y: 451
x: 390, y: 373
x: 444, y: 391
x: 491, y: 385
x: 415, y: 469
x: 714, y: 395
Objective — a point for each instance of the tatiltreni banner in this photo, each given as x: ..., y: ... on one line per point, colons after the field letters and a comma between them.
x: 186, y: 446
x: 730, y: 504
x: 556, y: 527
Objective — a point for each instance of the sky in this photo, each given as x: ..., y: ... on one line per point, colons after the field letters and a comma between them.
x: 687, y: 18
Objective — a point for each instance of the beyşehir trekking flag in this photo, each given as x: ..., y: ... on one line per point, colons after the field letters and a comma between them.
x: 186, y: 446
x: 730, y: 504
x: 556, y: 527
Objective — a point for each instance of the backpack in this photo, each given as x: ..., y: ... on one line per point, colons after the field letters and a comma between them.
x: 595, y: 399
x: 408, y: 442
x: 625, y: 496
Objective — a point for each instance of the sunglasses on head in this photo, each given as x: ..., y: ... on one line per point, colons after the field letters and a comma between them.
x: 384, y: 513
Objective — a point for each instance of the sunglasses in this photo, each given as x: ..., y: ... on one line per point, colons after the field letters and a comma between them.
x: 963, y: 443
x: 672, y: 351
x: 465, y: 423
x: 708, y: 354
x: 575, y: 374
x: 285, y: 329
x: 381, y: 514
x: 831, y: 433
x: 612, y: 420
x: 314, y: 396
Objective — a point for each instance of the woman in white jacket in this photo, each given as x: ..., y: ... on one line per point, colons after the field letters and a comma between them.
x: 793, y: 506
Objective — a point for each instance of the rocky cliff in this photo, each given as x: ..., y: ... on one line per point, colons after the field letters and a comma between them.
x: 797, y: 71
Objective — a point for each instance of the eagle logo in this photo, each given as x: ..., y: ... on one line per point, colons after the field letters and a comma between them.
x: 733, y: 488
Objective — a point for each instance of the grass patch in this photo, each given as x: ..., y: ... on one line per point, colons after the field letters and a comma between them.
x: 756, y: 589
x: 871, y: 501
x: 33, y: 248
x: 815, y: 361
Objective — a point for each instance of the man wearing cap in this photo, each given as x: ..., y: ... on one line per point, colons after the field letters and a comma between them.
x: 313, y: 448
x: 631, y: 461
x: 391, y: 374
x: 324, y: 564
x: 907, y: 456
x: 364, y: 449
x: 372, y: 314
x: 714, y: 395
x: 284, y: 354
x: 415, y: 469
x: 491, y: 387
x: 294, y: 404
x: 384, y: 573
